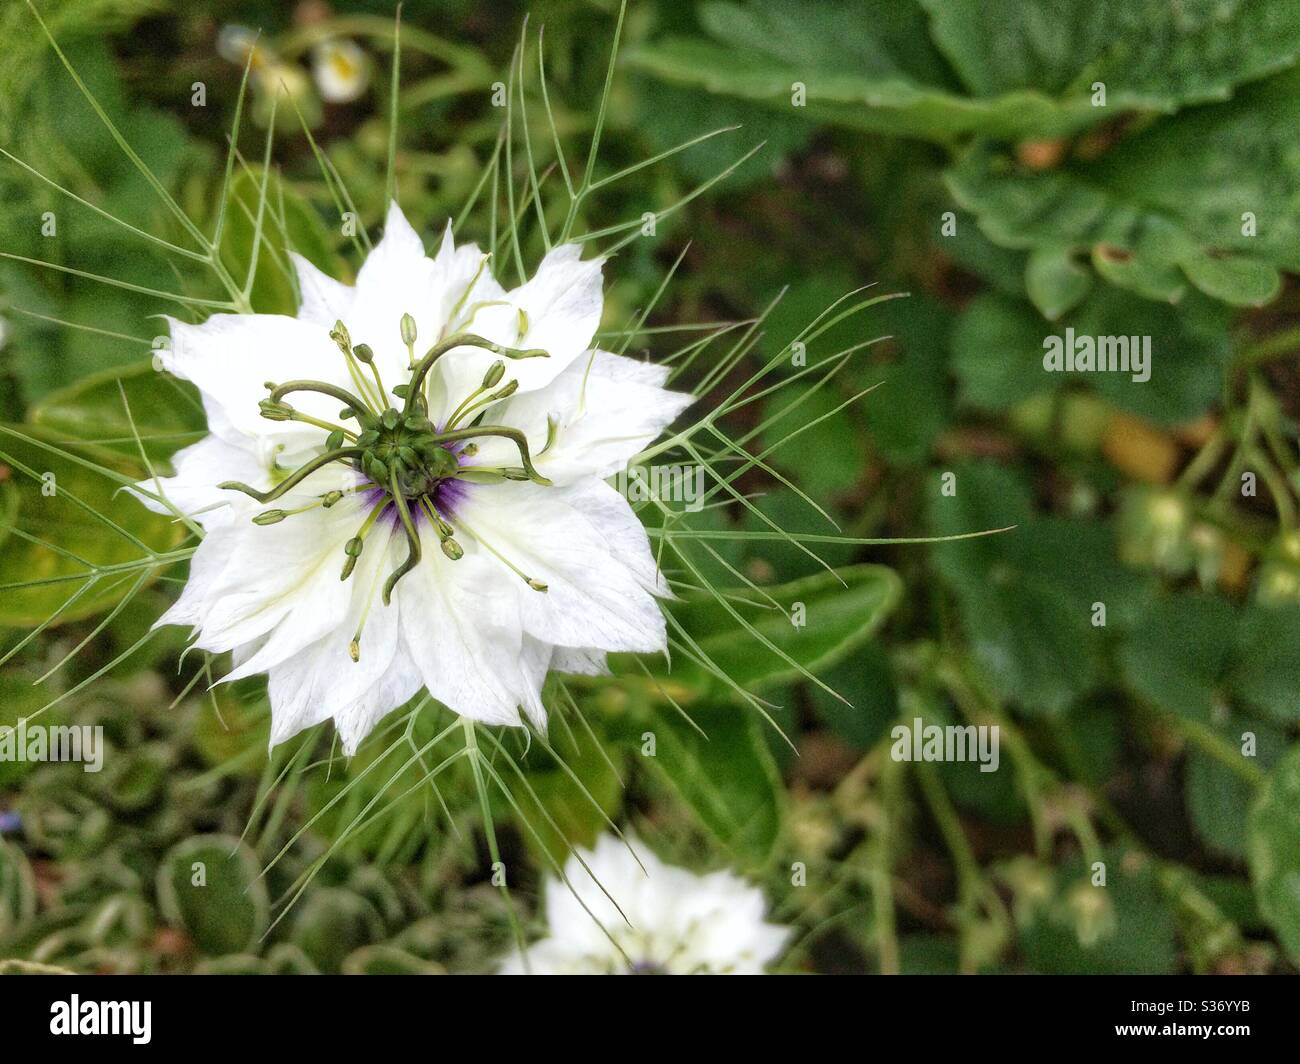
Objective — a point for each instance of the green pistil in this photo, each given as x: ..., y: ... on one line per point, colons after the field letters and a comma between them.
x: 400, y: 452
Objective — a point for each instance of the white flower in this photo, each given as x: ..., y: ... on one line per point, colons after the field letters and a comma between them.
x: 677, y: 923
x: 341, y: 70
x: 466, y: 512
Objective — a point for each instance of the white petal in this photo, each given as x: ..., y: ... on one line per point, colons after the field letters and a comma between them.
x: 556, y: 310
x: 398, y: 278
x: 585, y: 544
x: 460, y: 625
x: 605, y: 409
x: 283, y: 574
x: 321, y: 680
x: 582, y: 661
x: 199, y: 469
x: 323, y: 300
x: 230, y: 357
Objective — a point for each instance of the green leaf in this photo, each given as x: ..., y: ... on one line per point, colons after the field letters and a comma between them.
x: 880, y: 64
x: 49, y: 514
x: 1026, y: 596
x: 865, y: 679
x: 1150, y: 54
x: 332, y: 923
x: 1271, y: 850
x: 1122, y: 928
x: 1177, y: 654
x: 998, y: 352
x: 17, y: 891
x: 836, y: 617
x: 1265, y: 670
x: 209, y: 885
x: 580, y: 808
x: 1151, y: 213
x: 165, y: 412
x: 1219, y: 799
x: 275, y: 287
x: 1054, y: 281
x: 1192, y: 653
x: 728, y: 779
x: 912, y: 405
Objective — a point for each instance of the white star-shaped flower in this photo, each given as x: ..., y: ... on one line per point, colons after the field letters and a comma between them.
x: 673, y: 922
x: 404, y: 487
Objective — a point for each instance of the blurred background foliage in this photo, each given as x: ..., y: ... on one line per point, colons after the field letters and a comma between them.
x: 1173, y: 210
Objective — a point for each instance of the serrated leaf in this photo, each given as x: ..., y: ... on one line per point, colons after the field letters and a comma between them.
x: 1028, y: 66
x: 1149, y: 54
x: 1151, y: 213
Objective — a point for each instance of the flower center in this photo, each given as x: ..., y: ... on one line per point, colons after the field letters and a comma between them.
x: 399, y: 451
x: 405, y: 448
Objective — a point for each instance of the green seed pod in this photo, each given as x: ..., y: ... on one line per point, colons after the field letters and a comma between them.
x: 352, y: 548
x: 408, y: 330
x: 390, y: 419
x: 452, y: 549
x: 330, y: 498
x: 334, y: 440
x: 377, y: 471
x: 368, y: 438
x: 508, y: 390
x: 493, y: 376
x: 363, y: 352
x: 270, y: 517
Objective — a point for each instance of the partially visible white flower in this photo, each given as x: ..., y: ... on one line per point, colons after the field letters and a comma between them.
x: 381, y: 517
x: 677, y: 922
x: 235, y: 43
x: 341, y: 70
x: 270, y: 75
